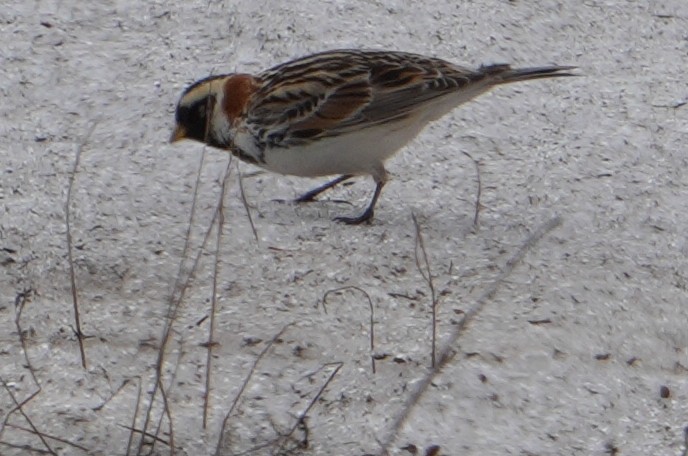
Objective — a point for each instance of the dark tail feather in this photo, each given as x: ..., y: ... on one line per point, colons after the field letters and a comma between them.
x: 503, y: 74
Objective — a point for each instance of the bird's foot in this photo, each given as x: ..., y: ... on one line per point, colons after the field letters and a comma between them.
x: 365, y: 217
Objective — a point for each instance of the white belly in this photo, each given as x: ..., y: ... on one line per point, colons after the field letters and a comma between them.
x: 359, y: 152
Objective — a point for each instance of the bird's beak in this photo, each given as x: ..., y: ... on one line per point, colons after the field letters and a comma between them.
x: 178, y: 133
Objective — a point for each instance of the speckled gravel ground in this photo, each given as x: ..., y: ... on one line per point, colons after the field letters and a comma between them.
x: 582, y: 349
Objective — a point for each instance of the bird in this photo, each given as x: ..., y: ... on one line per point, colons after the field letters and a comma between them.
x: 343, y: 112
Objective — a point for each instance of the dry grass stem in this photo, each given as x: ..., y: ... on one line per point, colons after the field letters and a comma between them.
x: 70, y: 247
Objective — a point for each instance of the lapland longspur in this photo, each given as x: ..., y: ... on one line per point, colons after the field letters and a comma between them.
x: 342, y: 112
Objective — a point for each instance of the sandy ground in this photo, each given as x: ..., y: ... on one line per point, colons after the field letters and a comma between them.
x: 577, y: 346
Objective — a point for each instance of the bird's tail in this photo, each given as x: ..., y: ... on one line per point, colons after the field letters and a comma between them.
x: 503, y: 73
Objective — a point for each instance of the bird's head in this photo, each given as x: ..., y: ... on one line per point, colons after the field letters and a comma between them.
x: 197, y: 109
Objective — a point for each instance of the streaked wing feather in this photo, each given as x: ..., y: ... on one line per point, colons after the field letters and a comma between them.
x: 403, y: 87
x: 310, y: 107
x: 339, y: 106
x: 319, y: 97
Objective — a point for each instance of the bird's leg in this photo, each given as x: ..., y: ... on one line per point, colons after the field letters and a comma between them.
x: 367, y: 215
x: 310, y: 196
x: 380, y: 177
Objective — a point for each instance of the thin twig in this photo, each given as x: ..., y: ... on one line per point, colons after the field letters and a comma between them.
x: 674, y: 105
x: 52, y: 437
x: 427, y: 275
x: 245, y: 202
x: 167, y: 410
x: 372, y: 316
x: 244, y: 385
x: 168, y: 413
x: 447, y: 352
x: 25, y: 448
x: 213, y: 306
x: 315, y: 399
x: 18, y: 406
x: 134, y: 416
x: 301, y: 419
x: 178, y: 285
x: 19, y: 302
x: 72, y: 274
x: 99, y: 407
x: 480, y: 189
x: 153, y: 437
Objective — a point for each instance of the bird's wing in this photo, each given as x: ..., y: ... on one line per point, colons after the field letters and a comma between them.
x: 333, y: 93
